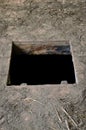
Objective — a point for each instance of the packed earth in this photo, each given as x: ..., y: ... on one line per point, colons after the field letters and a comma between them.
x: 43, y: 107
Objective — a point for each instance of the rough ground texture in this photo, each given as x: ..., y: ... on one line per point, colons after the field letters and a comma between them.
x: 43, y: 107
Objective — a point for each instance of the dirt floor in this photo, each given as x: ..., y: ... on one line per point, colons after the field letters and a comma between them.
x: 56, y: 107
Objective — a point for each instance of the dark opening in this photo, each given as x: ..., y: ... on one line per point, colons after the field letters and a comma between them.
x: 40, y: 69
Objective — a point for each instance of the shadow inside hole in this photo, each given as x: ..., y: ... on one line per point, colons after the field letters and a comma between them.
x: 40, y: 69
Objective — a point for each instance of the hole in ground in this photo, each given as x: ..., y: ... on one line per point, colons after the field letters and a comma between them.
x: 40, y: 69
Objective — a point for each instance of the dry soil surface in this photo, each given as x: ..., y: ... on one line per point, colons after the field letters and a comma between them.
x: 61, y: 107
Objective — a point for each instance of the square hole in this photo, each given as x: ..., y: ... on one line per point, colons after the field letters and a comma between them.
x: 41, y: 64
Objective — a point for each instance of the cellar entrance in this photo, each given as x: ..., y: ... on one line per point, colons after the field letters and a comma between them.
x: 43, y: 68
